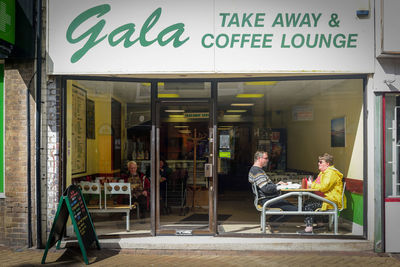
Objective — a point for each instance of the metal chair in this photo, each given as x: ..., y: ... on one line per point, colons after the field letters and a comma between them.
x: 259, y: 207
x: 91, y: 188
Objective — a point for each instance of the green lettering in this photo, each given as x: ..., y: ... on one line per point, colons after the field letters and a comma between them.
x: 234, y: 20
x: 224, y: 15
x: 244, y: 39
x: 255, y: 39
x: 308, y: 42
x: 178, y: 29
x: 93, y: 32
x: 301, y: 38
x: 147, y: 25
x: 278, y: 20
x: 324, y: 40
x: 339, y: 41
x: 246, y: 19
x: 129, y: 29
x: 234, y: 40
x: 204, y: 38
x: 316, y: 18
x: 305, y: 21
x: 292, y: 19
x: 352, y: 38
x: 283, y: 45
x: 259, y: 20
x: 267, y: 40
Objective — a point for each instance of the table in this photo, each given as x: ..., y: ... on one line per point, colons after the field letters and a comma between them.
x: 300, y: 193
x: 299, y: 190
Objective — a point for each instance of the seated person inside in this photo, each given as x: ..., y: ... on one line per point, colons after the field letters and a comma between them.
x: 329, y: 183
x: 266, y: 188
x: 140, y: 187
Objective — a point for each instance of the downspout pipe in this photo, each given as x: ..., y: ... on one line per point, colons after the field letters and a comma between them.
x: 38, y: 122
x: 29, y: 163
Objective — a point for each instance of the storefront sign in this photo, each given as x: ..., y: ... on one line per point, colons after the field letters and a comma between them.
x: 211, y: 36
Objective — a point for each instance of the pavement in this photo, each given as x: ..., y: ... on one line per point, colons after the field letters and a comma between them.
x: 71, y: 256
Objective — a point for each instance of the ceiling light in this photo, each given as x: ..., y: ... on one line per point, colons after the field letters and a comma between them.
x: 185, y: 131
x: 168, y: 95
x: 261, y: 83
x: 242, y: 104
x: 174, y: 110
x: 236, y: 110
x: 249, y: 95
x: 181, y: 126
x: 232, y: 116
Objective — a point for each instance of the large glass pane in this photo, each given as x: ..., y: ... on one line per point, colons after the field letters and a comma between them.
x: 392, y: 145
x: 295, y: 122
x: 184, y: 151
x: 108, y: 124
x: 184, y: 90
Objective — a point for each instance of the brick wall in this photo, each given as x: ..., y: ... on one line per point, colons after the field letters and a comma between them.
x: 13, y: 208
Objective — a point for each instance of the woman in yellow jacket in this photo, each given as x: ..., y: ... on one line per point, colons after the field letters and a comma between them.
x: 329, y: 183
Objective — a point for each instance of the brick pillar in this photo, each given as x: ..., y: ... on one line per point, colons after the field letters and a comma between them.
x: 13, y: 208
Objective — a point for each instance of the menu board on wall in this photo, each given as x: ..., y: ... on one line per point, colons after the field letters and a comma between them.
x: 78, y: 130
x: 72, y: 204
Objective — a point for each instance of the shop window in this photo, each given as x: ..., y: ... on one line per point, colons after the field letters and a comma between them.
x: 392, y: 145
x: 295, y: 122
x: 108, y: 125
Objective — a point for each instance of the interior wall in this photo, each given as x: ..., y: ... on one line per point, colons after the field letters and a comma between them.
x: 309, y: 139
x: 98, y: 150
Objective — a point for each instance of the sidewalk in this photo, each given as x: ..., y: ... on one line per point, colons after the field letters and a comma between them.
x: 192, y: 258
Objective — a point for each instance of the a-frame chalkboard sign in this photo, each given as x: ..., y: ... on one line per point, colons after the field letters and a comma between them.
x: 72, y: 205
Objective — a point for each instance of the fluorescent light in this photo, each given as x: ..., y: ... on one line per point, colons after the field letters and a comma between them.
x: 236, y: 110
x: 242, y: 104
x: 168, y: 95
x: 185, y: 131
x: 174, y: 110
x: 249, y: 95
x: 181, y: 126
x: 232, y: 116
x: 176, y: 116
x: 261, y: 83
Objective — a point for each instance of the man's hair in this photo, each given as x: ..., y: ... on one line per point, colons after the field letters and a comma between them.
x: 259, y: 154
x: 131, y: 162
x: 327, y: 157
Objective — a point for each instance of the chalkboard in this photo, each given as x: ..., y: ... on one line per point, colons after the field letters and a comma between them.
x: 72, y: 204
x: 81, y: 216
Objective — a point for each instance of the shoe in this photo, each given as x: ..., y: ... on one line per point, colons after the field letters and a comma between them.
x: 303, y: 232
x: 271, y: 230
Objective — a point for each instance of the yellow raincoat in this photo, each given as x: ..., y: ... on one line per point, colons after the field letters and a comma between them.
x: 332, y: 186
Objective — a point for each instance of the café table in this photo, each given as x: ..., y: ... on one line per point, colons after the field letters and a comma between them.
x: 300, y: 193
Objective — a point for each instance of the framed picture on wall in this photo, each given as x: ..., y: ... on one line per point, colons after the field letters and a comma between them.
x: 338, y: 132
x: 90, y: 120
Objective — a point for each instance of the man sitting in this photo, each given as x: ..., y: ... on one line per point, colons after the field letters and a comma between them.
x: 266, y: 188
x: 140, y: 187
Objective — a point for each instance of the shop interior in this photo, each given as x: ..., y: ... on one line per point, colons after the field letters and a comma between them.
x: 295, y: 121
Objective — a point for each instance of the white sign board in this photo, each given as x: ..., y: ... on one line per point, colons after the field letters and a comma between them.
x: 209, y: 36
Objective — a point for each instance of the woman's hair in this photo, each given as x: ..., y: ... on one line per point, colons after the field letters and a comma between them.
x: 259, y: 154
x: 327, y: 157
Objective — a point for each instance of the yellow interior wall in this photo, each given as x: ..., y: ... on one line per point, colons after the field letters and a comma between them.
x: 312, y: 138
x: 98, y: 153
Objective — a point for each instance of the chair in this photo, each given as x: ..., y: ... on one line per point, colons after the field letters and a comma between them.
x: 339, y: 210
x: 91, y: 188
x: 120, y: 189
x: 259, y: 207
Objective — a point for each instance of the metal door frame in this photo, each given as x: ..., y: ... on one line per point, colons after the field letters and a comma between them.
x: 212, y: 189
